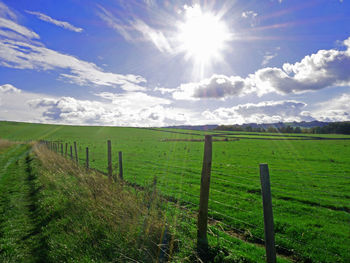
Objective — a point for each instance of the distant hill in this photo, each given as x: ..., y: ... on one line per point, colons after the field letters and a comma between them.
x: 276, y: 125
x: 302, y: 124
x: 194, y: 127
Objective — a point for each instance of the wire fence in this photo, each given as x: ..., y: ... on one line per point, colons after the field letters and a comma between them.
x: 308, y: 208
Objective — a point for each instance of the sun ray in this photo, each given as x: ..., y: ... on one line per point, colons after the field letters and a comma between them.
x: 203, y: 37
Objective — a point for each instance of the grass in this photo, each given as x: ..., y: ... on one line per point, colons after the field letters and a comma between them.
x: 53, y: 211
x: 309, y: 180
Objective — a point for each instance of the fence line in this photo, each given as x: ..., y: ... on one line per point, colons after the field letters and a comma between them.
x: 167, y: 184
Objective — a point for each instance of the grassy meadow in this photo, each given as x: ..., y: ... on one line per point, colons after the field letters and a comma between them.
x: 309, y: 180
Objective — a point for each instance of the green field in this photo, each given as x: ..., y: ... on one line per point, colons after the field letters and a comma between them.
x: 309, y: 179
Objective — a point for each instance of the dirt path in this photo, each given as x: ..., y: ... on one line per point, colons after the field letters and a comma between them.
x: 20, y: 237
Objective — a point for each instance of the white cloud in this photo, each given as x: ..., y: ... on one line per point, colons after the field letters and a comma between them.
x: 140, y: 110
x: 135, y: 30
x: 218, y: 86
x: 131, y: 100
x: 268, y: 56
x: 251, y: 16
x: 163, y: 90
x: 13, y: 104
x: 8, y: 88
x: 155, y: 36
x: 336, y: 109
x: 20, y: 55
x: 6, y: 12
x: 62, y: 24
x: 263, y: 112
x: 326, y: 68
x: 71, y: 111
x: 130, y: 109
x: 18, y: 50
x: 10, y: 25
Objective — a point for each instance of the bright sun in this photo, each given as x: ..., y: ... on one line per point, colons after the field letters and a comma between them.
x: 203, y: 36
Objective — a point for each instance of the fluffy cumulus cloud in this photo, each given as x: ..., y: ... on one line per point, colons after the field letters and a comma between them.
x: 326, y: 68
x: 118, y: 110
x: 72, y: 111
x: 49, y: 19
x: 218, y: 87
x: 263, y: 112
x: 336, y: 109
x: 8, y: 88
x: 14, y: 104
x: 20, y: 49
x: 139, y: 109
x: 127, y: 109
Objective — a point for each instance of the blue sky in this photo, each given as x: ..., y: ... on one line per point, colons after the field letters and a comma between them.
x: 158, y: 63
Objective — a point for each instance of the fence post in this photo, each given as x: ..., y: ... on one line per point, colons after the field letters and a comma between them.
x: 71, y: 152
x: 120, y: 165
x: 87, y: 157
x: 202, y: 240
x: 76, y: 152
x: 268, y: 216
x: 62, y: 149
x: 109, y: 153
x: 66, y: 152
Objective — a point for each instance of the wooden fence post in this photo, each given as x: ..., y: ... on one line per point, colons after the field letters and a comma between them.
x: 76, y: 152
x: 62, y: 149
x: 120, y: 165
x: 71, y: 152
x: 66, y: 152
x: 109, y: 153
x: 268, y: 216
x: 87, y: 157
x: 202, y: 240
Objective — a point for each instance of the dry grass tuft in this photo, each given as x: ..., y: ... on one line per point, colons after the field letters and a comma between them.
x: 134, y: 216
x: 5, y: 144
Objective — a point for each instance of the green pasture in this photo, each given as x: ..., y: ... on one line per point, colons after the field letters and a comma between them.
x: 310, y: 180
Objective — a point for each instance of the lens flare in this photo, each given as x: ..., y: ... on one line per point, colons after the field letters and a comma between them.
x: 202, y: 36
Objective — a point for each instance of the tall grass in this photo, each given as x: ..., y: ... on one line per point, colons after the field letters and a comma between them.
x: 5, y: 144
x: 84, y: 215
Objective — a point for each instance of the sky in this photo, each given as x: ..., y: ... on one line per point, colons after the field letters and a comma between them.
x: 156, y: 63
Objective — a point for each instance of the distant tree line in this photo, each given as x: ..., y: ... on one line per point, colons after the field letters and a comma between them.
x: 334, y: 127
